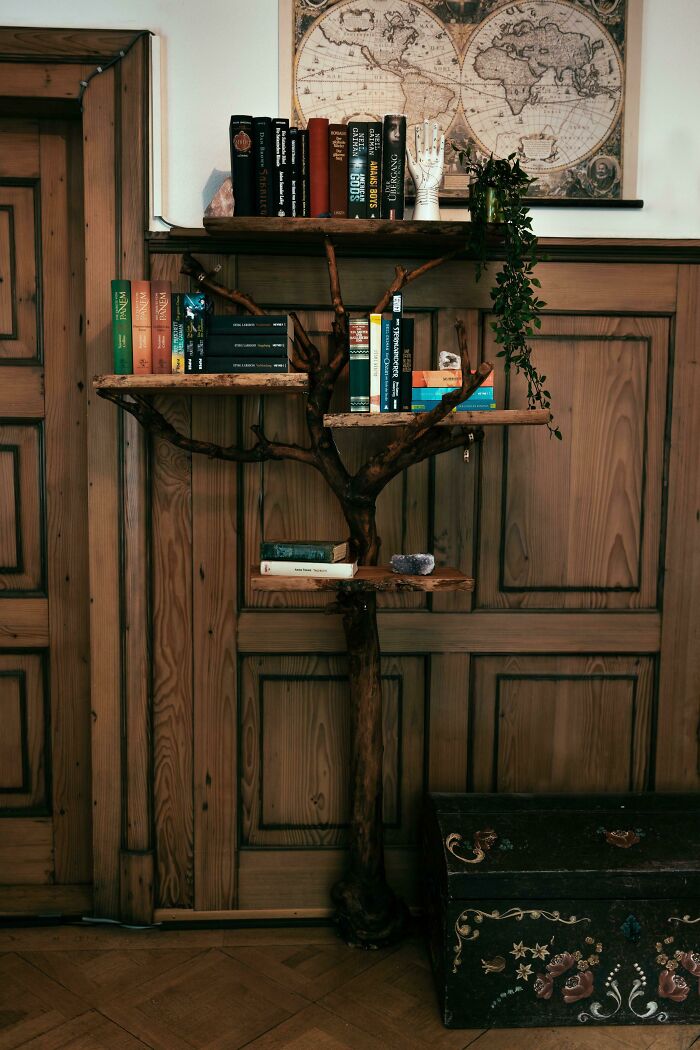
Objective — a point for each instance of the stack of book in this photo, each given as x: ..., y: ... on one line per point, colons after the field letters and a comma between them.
x: 248, y: 344
x: 311, y: 558
x: 353, y: 170
x: 429, y: 387
x: 158, y: 331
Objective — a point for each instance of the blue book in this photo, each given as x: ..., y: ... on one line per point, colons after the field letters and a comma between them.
x: 385, y: 388
x: 435, y: 393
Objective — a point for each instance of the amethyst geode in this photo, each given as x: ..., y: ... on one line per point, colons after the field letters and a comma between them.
x: 413, y: 564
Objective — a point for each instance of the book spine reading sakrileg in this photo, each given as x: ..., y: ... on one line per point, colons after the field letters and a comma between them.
x: 396, y: 342
x: 374, y: 170
x: 294, y: 194
x: 141, y: 327
x: 393, y: 164
x: 262, y: 165
x: 359, y: 365
x: 161, y: 335
x: 357, y: 169
x: 178, y: 330
x: 318, y: 166
x: 375, y: 362
x: 241, y: 140
x: 281, y: 186
x: 304, y: 172
x: 121, y: 328
x: 338, y: 170
x: 406, y: 383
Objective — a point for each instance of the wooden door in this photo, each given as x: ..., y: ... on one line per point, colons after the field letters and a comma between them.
x: 45, y: 833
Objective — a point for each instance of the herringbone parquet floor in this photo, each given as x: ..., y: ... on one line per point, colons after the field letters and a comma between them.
x: 86, y: 988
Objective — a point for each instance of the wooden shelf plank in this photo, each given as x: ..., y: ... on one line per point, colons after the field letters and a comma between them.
x: 368, y: 578
x: 505, y: 417
x: 255, y: 234
x: 257, y: 383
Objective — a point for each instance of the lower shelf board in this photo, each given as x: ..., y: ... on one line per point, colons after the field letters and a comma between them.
x: 368, y: 578
x: 497, y: 417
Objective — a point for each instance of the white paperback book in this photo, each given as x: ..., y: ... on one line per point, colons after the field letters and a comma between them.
x: 375, y: 361
x: 339, y: 570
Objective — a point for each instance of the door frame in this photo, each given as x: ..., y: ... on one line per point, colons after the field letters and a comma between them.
x: 53, y: 64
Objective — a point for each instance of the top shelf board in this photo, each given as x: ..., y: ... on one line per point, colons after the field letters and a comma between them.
x: 379, y: 237
x: 258, y: 383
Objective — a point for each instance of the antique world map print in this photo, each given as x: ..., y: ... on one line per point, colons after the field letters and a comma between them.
x: 543, y: 79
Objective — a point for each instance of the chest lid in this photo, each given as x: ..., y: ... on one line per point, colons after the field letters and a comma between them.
x: 539, y: 846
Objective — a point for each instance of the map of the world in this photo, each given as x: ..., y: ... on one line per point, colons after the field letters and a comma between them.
x: 542, y: 79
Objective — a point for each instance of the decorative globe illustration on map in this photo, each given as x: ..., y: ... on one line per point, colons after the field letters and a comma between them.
x: 360, y: 61
x: 544, y: 80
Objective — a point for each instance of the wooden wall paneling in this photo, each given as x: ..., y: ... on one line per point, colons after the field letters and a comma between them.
x: 215, y: 586
x: 25, y: 767
x: 678, y: 748
x: 455, y: 480
x: 24, y: 622
x: 66, y: 496
x: 22, y: 393
x: 561, y: 723
x: 26, y: 852
x: 21, y: 159
x: 448, y: 721
x: 21, y: 308
x: 46, y: 80
x: 101, y: 264
x: 23, y: 566
x: 608, y: 381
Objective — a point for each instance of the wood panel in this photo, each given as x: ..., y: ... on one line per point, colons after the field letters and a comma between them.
x: 295, y: 749
x: 608, y: 380
x: 26, y: 851
x: 20, y: 270
x: 24, y: 622
x: 531, y: 714
x: 24, y: 714
x: 22, y: 566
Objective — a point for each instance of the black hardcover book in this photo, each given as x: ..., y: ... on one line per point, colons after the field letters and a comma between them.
x: 395, y: 360
x: 294, y: 173
x: 228, y: 365
x: 304, y: 171
x: 280, y: 325
x: 281, y: 188
x: 247, y: 346
x: 374, y: 170
x: 406, y: 365
x: 195, y: 340
x: 357, y: 169
x: 393, y: 163
x: 262, y: 164
x: 242, y: 169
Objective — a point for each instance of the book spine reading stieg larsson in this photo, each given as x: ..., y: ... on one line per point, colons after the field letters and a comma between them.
x: 121, y: 328
x: 393, y: 162
x: 241, y: 139
x: 357, y: 169
x: 359, y: 365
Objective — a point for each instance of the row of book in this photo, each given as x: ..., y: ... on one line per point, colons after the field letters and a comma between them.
x: 353, y: 170
x: 315, y: 559
x: 382, y: 377
x: 158, y: 331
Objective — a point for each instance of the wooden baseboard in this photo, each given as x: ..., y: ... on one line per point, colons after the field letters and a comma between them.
x: 45, y: 901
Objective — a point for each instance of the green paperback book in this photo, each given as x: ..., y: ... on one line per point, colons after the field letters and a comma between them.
x: 330, y: 551
x: 121, y: 328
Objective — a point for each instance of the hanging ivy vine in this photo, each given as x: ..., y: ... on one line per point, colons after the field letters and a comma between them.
x: 498, y: 187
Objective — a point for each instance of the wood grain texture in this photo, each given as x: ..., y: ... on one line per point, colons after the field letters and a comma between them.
x: 491, y: 418
x: 136, y: 886
x: 22, y: 515
x: 448, y: 726
x: 53, y: 900
x: 530, y: 714
x: 41, y: 80
x: 215, y: 584
x: 26, y: 43
x: 66, y: 497
x: 22, y: 392
x: 24, y: 714
x: 24, y: 622
x: 20, y: 271
x: 678, y: 751
x: 608, y: 378
x: 288, y: 382
x: 368, y: 578
x: 21, y: 158
x: 26, y: 851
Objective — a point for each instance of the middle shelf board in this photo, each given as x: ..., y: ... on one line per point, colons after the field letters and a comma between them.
x: 368, y: 578
x: 505, y: 417
x: 250, y: 383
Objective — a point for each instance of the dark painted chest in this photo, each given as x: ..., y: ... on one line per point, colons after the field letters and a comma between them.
x: 564, y: 910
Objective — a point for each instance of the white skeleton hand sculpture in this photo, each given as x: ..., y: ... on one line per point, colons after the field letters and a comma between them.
x: 426, y: 170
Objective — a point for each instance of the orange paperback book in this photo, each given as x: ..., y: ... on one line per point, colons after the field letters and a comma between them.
x: 141, y: 327
x: 446, y: 377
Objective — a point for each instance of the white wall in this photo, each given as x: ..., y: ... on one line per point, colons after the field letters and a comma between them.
x: 221, y: 56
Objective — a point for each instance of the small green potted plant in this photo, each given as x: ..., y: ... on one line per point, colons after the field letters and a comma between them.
x: 497, y: 188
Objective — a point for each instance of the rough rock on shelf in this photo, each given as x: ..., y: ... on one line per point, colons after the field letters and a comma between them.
x: 413, y: 564
x: 221, y: 206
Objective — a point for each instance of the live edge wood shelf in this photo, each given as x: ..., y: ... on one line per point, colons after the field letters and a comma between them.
x: 268, y: 383
x: 368, y: 578
x: 505, y: 417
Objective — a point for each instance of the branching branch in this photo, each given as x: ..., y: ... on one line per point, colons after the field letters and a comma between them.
x: 141, y: 408
x: 404, y: 277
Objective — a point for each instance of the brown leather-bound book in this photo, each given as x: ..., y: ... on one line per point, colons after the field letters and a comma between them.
x: 161, y: 333
x: 318, y: 161
x: 141, y: 327
x: 338, y: 170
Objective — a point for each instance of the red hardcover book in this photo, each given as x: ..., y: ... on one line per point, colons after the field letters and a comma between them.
x: 338, y: 170
x: 141, y: 327
x: 318, y: 163
x: 161, y: 333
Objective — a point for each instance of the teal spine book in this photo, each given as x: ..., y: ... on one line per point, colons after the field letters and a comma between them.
x: 178, y: 328
x: 320, y: 551
x: 359, y: 365
x: 385, y: 388
x: 121, y: 328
